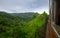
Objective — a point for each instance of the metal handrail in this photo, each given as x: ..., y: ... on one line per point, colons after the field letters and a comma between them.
x: 52, y: 25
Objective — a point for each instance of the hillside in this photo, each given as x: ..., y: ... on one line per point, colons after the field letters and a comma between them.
x: 12, y: 26
x: 26, y: 15
x: 36, y: 28
x: 5, y: 15
x: 23, y: 14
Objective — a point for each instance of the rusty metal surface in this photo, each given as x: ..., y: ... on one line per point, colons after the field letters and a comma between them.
x: 56, y: 29
x: 50, y: 33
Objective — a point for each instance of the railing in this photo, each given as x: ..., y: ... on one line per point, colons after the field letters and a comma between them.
x: 56, y: 29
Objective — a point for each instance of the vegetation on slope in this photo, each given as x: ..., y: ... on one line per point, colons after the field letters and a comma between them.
x: 35, y: 25
x: 12, y: 26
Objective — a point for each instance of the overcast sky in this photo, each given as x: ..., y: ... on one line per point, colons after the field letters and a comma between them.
x: 17, y: 6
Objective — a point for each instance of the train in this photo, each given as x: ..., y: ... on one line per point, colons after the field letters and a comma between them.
x: 53, y: 25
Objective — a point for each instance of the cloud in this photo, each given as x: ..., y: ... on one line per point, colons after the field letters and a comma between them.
x: 24, y: 5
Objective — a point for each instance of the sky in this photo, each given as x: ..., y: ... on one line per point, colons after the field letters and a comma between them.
x: 19, y: 6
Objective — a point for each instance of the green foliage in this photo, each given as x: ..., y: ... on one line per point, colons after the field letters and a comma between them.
x: 26, y: 16
x: 12, y: 26
x: 32, y: 28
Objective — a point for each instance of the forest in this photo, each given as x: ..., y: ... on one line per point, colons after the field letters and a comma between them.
x: 23, y: 25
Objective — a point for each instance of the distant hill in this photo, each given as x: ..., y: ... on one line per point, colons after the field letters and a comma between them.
x: 5, y: 15
x: 8, y: 16
x: 29, y: 14
x: 26, y: 15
